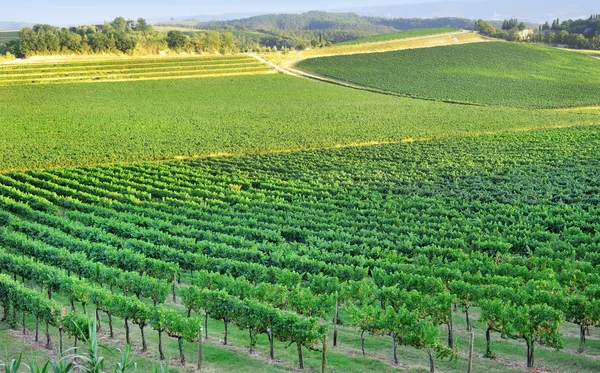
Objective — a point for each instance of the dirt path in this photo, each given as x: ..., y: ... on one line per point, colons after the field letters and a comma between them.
x: 274, y: 66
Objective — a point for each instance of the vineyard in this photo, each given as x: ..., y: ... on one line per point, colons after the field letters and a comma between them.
x: 6, y: 36
x: 129, y: 69
x: 402, y: 35
x: 495, y: 74
x: 393, y: 251
x: 86, y: 124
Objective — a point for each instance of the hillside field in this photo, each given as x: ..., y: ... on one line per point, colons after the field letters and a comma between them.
x: 402, y: 35
x: 95, y: 123
x: 495, y: 74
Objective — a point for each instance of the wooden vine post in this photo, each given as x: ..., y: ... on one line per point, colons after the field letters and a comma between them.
x: 471, y: 353
x: 174, y: 288
x: 324, y: 359
x: 200, y: 349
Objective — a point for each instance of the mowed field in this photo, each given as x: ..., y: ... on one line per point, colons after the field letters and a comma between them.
x: 129, y: 69
x: 6, y: 36
x: 401, y: 35
x: 272, y: 211
x: 84, y: 124
x: 495, y: 74
x: 510, y: 217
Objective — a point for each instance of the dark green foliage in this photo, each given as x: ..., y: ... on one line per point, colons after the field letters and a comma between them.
x: 176, y: 39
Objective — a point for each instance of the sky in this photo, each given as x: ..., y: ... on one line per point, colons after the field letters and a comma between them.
x: 73, y: 12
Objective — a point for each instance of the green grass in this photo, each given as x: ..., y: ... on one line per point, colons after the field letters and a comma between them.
x: 85, y: 124
x: 402, y: 35
x: 495, y: 74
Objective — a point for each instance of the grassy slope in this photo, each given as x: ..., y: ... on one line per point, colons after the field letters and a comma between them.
x: 83, y: 124
x: 401, y: 35
x: 489, y: 73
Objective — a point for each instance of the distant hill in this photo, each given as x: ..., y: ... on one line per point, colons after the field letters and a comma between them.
x: 533, y: 11
x: 315, y: 21
x: 310, y: 21
x: 14, y: 25
x: 204, y: 18
x: 321, y: 28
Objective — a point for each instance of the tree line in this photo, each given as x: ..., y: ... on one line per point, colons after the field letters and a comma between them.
x: 262, y: 33
x: 577, y: 34
x: 121, y: 36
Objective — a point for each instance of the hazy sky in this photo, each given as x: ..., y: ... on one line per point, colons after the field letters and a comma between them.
x: 83, y: 11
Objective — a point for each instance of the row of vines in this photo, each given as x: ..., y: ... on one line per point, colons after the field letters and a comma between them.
x: 394, y: 237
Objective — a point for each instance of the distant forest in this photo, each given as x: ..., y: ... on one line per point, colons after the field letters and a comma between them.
x: 316, y: 29
x: 577, y: 34
x: 263, y: 33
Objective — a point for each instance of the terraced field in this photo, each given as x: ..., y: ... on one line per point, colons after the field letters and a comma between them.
x: 129, y: 69
x: 494, y: 73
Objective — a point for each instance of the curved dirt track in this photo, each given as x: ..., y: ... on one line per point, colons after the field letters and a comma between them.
x: 289, y: 65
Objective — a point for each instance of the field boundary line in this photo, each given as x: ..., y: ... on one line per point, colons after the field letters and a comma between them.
x: 575, y: 108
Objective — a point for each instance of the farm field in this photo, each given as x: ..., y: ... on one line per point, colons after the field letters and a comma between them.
x: 388, y: 206
x: 86, y: 124
x: 401, y: 35
x: 495, y: 223
x: 129, y: 69
x: 6, y: 36
x: 494, y: 73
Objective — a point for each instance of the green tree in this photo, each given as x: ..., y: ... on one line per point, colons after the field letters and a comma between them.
x: 176, y: 40
x: 228, y: 43
x: 143, y: 26
x: 119, y: 24
x: 485, y: 28
x: 583, y: 310
x: 537, y: 324
x: 498, y: 316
